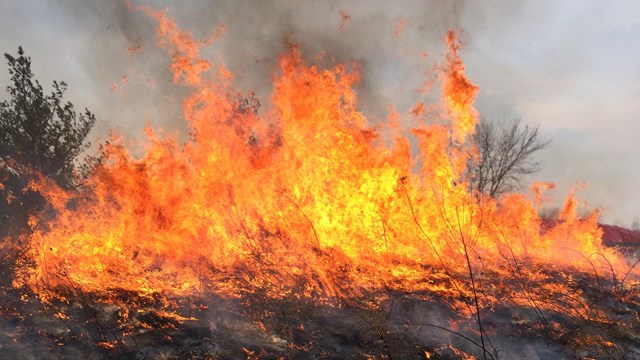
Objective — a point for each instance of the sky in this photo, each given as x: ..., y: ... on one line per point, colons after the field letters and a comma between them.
x: 569, y: 66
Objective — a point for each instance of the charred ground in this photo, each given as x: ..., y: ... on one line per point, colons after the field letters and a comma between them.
x: 570, y: 314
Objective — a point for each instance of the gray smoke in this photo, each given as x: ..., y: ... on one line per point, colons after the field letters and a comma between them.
x: 568, y: 67
x: 259, y: 31
x: 106, y: 49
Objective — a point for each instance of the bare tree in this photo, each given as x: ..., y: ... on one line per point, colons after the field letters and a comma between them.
x: 505, y: 156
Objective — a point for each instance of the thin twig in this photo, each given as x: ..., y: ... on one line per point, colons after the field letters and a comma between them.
x: 628, y: 272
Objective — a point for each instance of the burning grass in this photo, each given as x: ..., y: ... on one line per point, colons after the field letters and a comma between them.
x: 300, y: 232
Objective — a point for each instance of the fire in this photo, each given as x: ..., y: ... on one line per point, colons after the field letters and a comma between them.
x: 305, y: 200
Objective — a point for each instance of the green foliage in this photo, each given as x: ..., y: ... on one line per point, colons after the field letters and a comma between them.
x: 39, y: 133
x: 39, y: 130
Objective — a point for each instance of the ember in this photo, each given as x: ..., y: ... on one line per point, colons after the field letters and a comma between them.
x: 300, y: 214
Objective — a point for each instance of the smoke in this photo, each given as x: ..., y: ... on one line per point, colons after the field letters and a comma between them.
x: 566, y: 67
x: 128, y: 75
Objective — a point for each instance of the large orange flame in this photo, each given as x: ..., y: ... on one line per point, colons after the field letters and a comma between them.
x: 304, y: 200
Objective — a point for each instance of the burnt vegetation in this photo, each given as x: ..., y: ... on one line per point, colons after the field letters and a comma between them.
x: 520, y: 309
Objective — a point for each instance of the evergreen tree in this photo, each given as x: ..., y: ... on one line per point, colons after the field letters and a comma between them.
x: 40, y: 132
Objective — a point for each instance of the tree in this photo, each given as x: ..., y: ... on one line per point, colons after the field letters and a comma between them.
x: 39, y: 132
x: 505, y: 156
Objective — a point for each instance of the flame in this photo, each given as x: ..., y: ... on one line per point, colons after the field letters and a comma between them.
x: 304, y: 200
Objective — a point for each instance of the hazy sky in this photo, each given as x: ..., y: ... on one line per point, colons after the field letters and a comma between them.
x: 571, y: 66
